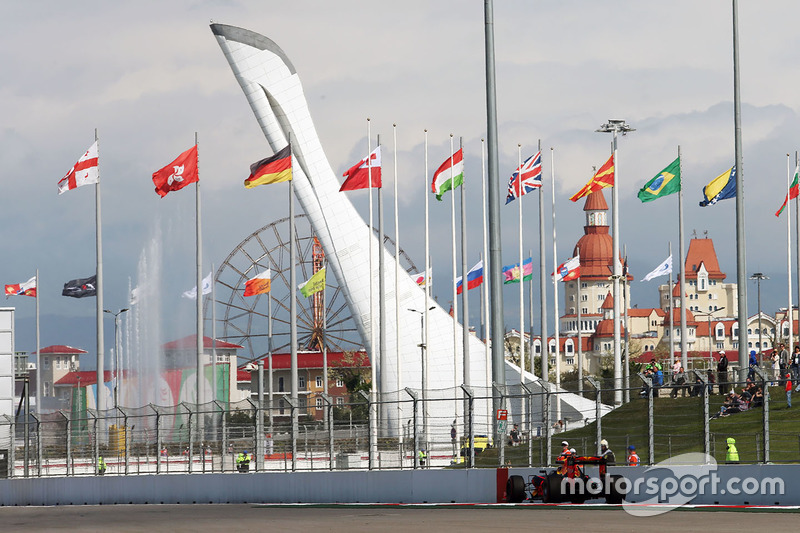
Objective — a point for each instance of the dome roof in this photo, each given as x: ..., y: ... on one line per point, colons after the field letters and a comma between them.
x: 605, y: 328
x: 595, y: 249
x: 596, y: 202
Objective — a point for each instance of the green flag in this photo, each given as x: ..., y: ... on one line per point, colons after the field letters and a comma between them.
x: 667, y: 181
x: 315, y: 284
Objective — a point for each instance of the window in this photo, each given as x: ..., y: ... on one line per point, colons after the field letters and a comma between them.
x: 537, y: 347
x: 339, y: 400
x: 280, y: 389
x: 46, y: 389
x: 584, y: 285
x: 749, y: 331
x: 600, y: 298
x: 319, y: 382
x: 46, y: 362
x: 301, y: 382
x: 570, y: 360
x: 749, y: 344
x: 339, y: 383
x: 282, y: 405
x: 585, y: 310
x: 720, y: 345
x: 735, y: 332
x: 584, y: 297
x: 569, y: 348
x: 58, y: 362
x: 318, y: 404
x: 552, y: 361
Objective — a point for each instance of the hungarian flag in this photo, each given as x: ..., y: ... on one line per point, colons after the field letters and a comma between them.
x: 602, y: 178
x: 84, y: 172
x: 449, y: 175
x: 80, y: 288
x: 258, y: 285
x: 314, y: 284
x: 275, y: 169
x: 177, y: 174
x: 474, y: 278
x: 793, y: 191
x: 358, y: 176
x: 568, y: 270
x: 22, y: 289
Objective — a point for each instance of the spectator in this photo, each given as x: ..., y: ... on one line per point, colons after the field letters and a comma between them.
x: 697, y: 389
x: 776, y: 367
x: 711, y: 381
x: 722, y: 373
x: 732, y: 457
x: 758, y: 398
x: 513, y: 436
x: 679, y: 382
x: 454, y: 437
x: 751, y: 373
x: 795, y: 366
x: 788, y: 390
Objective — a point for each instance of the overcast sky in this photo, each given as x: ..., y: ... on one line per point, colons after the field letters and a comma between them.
x: 148, y: 75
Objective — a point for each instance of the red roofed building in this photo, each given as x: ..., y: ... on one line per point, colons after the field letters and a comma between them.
x: 56, y: 362
x: 310, y: 379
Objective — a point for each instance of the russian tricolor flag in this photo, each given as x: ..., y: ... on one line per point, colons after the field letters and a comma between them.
x: 474, y: 278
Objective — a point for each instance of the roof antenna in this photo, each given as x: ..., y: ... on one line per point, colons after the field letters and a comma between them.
x: 694, y: 234
x: 705, y: 234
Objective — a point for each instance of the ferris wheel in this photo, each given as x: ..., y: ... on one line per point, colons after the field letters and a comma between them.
x: 246, y: 320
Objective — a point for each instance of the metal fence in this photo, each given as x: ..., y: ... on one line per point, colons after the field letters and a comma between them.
x: 406, y: 429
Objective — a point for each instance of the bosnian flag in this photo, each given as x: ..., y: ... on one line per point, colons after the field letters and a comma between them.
x: 192, y: 294
x: 84, y: 172
x: 569, y: 269
x: 449, y: 175
x: 474, y: 278
x: 259, y: 284
x: 526, y: 178
x: 420, y: 278
x: 22, y: 289
x: 358, y: 176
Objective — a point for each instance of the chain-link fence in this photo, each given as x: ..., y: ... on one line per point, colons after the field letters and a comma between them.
x: 515, y: 425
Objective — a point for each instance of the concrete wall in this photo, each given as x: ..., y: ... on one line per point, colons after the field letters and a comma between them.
x: 397, y: 486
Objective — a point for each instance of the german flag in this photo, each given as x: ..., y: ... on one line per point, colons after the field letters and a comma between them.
x: 602, y: 178
x: 275, y: 169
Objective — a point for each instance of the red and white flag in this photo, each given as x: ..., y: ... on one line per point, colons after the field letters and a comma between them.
x: 358, y: 175
x: 22, y: 289
x: 569, y: 269
x: 84, y: 172
x: 259, y: 284
x: 177, y: 174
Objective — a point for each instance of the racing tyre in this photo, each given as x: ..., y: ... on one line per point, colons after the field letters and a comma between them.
x: 613, y: 496
x: 551, y: 489
x: 515, y: 489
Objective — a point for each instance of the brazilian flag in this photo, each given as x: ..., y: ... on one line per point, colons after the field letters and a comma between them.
x: 667, y: 181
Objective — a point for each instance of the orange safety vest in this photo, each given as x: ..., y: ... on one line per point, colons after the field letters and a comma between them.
x: 633, y: 459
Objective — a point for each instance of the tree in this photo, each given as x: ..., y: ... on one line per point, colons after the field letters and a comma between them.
x: 355, y: 378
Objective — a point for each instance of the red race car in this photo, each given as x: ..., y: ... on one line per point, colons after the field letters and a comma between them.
x: 568, y: 483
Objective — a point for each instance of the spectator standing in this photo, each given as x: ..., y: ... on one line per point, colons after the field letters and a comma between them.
x: 776, y: 366
x: 722, y: 373
x: 753, y: 363
x: 454, y: 438
x: 732, y: 457
x: 711, y: 381
x: 679, y: 380
x: 795, y: 366
x: 788, y: 390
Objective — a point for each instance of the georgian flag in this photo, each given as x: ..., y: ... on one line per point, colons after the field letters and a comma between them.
x: 84, y: 172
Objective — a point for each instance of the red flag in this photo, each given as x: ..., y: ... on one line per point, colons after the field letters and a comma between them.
x: 177, y: 174
x: 22, y: 289
x: 358, y: 175
x: 602, y: 178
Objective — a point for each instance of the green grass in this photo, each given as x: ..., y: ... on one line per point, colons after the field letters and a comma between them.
x: 678, y: 428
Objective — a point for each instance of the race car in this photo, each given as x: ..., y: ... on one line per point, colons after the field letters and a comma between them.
x: 568, y: 482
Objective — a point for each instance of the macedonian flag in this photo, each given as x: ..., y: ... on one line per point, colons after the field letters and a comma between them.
x: 273, y: 169
x: 602, y: 178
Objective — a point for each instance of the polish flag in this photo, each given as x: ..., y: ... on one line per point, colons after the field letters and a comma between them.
x: 22, y: 289
x: 84, y: 172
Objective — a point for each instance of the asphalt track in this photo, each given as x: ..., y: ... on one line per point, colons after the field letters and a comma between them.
x: 372, y: 518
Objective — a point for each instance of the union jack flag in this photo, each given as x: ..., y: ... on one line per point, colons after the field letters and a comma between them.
x: 531, y: 172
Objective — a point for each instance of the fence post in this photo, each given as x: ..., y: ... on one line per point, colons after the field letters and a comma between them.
x: 548, y: 429
x: 329, y: 416
x: 529, y: 417
x: 127, y: 449
x: 706, y: 414
x: 470, y: 426
x: 12, y: 456
x: 191, y: 437
x: 293, y: 436
x: 415, y: 437
x: 68, y: 449
x: 158, y: 438
x: 597, y: 412
x: 501, y: 457
x: 96, y: 446
x: 765, y: 413
x: 370, y: 421
x: 650, y: 441
x: 224, y: 451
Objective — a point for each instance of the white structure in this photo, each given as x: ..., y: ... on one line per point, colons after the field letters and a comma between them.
x: 273, y: 89
x: 6, y: 372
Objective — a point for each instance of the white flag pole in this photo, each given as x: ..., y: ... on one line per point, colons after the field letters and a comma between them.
x: 464, y: 282
x: 453, y: 264
x: 555, y: 282
x: 671, y: 318
x: 788, y: 247
x: 521, y: 272
x: 293, y: 313
x: 427, y: 286
x: 372, y: 341
x: 199, y: 300
x: 383, y: 375
x: 214, y: 335
x: 398, y: 362
x: 485, y: 285
x: 99, y: 286
x: 38, y: 354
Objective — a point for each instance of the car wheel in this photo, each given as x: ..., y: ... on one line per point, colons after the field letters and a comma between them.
x: 515, y: 489
x: 613, y: 496
x: 551, y: 488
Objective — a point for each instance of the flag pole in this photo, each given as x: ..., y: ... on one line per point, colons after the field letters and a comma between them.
x: 214, y: 335
x: 325, y: 343
x: 269, y: 352
x: 293, y: 313
x: 485, y: 284
x: 427, y: 287
x: 372, y: 341
x: 626, y: 378
x: 555, y: 282
x: 682, y: 263
x: 383, y: 375
x: 788, y: 251
x: 464, y: 290
x: 99, y: 299
x: 199, y: 300
x: 453, y: 282
x: 578, y: 317
x: 545, y: 356
x: 797, y: 236
x: 398, y: 336
x: 38, y: 355
x: 671, y: 318
x: 521, y: 271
